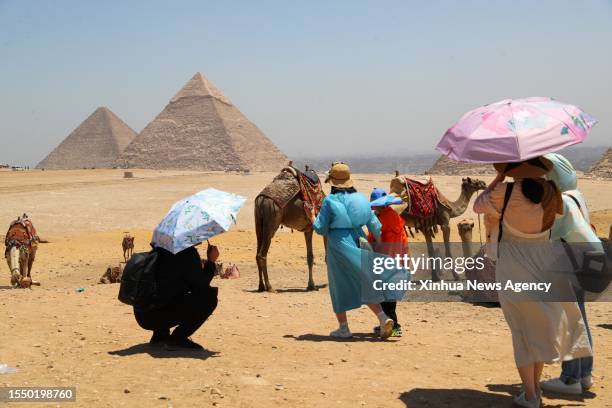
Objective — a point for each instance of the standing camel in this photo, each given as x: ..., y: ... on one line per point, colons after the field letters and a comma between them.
x: 445, y: 210
x: 128, y: 246
x: 288, y: 211
x: 21, y: 244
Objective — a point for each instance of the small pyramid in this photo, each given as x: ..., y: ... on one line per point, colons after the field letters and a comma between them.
x: 97, y: 142
x: 200, y: 129
x: 603, y: 166
x: 448, y: 167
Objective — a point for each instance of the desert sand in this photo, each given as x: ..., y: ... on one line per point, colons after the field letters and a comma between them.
x: 264, y: 349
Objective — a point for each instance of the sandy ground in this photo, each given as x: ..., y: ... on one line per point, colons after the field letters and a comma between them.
x: 264, y: 349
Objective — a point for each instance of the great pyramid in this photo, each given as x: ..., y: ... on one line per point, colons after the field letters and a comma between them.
x: 200, y: 129
x: 603, y: 166
x: 448, y: 167
x: 97, y: 142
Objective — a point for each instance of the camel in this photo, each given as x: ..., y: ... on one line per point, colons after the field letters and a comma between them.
x: 445, y: 210
x: 21, y: 244
x: 465, y: 227
x: 128, y: 246
x: 269, y: 216
x: 113, y: 274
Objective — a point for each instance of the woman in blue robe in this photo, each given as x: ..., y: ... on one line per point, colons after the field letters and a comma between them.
x: 341, y: 218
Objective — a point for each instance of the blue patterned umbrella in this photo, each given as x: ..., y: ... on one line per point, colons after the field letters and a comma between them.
x: 197, y: 218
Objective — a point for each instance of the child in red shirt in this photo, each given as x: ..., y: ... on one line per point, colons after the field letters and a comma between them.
x: 394, y: 239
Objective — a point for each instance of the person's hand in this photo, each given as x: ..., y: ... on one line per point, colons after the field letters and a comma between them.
x: 500, y: 177
x: 212, y: 253
x: 310, y: 212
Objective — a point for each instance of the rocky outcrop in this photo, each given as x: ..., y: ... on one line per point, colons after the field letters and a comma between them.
x: 447, y: 167
x: 603, y: 167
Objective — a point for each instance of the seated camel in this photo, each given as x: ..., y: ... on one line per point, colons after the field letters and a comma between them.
x: 113, y: 274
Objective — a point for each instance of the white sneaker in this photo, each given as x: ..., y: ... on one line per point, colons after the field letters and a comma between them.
x: 386, y: 328
x: 587, y: 382
x: 557, y: 385
x: 522, y: 401
x: 341, y: 333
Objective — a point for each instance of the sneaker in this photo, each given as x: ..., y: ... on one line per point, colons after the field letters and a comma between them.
x: 396, y: 332
x: 559, y: 386
x: 587, y: 382
x: 341, y: 333
x: 376, y: 329
x: 386, y: 328
x: 522, y: 401
x: 187, y: 344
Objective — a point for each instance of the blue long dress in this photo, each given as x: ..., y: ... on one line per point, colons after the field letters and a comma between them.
x: 341, y: 219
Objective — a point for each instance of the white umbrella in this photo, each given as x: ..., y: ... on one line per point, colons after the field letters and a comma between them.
x: 197, y: 218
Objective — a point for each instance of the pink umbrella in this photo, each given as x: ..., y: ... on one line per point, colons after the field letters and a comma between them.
x: 514, y: 130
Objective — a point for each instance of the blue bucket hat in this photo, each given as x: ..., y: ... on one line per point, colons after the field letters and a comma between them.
x: 379, y: 198
x: 377, y: 193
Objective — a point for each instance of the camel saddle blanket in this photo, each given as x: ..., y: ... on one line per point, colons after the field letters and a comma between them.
x: 290, y: 182
x: 423, y: 198
x: 411, y: 190
x: 21, y: 233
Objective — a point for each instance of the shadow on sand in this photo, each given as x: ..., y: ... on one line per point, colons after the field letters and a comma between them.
x: 605, y: 326
x: 456, y: 398
x: 161, y: 352
x: 515, y: 389
x: 300, y: 290
x: 289, y: 290
x: 5, y: 287
x: 500, y: 396
x: 357, y: 337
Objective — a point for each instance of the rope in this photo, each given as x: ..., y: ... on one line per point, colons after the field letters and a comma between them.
x: 479, y: 227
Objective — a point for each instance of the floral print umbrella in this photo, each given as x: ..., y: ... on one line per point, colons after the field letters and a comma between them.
x: 514, y: 130
x: 197, y: 218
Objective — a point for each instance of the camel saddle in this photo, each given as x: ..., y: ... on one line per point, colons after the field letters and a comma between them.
x: 21, y: 232
x: 422, y: 198
x: 291, y: 182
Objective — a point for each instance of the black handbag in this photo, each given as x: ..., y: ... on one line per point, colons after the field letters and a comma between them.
x: 595, y: 273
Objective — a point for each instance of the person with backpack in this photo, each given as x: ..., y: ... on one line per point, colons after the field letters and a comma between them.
x: 543, y: 332
x: 183, y: 297
x: 573, y: 227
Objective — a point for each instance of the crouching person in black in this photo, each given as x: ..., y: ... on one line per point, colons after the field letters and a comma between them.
x: 184, y: 297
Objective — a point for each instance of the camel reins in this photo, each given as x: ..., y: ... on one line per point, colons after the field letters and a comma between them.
x: 479, y: 227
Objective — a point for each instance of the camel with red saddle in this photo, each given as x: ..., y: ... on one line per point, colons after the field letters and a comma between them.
x: 286, y: 201
x: 21, y: 243
x: 427, y: 209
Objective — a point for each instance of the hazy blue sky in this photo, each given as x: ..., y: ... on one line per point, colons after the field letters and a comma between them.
x: 316, y: 77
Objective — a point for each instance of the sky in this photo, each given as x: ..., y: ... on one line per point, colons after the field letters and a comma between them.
x: 317, y: 77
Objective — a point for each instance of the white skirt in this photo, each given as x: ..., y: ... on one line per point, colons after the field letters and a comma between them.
x: 542, y: 331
